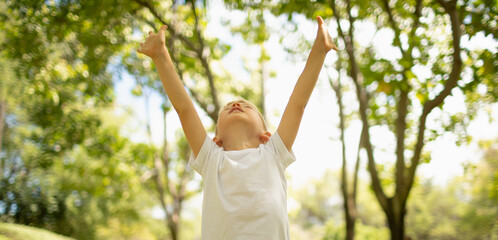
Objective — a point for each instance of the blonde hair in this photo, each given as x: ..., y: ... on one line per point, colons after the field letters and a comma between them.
x: 241, y: 100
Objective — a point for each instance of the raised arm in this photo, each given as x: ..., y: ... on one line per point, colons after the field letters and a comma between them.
x: 289, y: 125
x: 155, y: 48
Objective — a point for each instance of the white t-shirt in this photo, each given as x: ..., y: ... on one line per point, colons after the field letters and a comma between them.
x: 245, y: 191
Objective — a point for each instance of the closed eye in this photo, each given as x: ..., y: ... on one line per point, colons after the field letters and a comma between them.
x: 248, y: 106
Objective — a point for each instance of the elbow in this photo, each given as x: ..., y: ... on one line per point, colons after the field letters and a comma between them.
x: 184, y: 109
x: 185, y: 112
x: 299, y: 99
x: 181, y: 112
x: 298, y: 104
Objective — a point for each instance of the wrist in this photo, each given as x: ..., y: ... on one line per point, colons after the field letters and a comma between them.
x: 161, y: 55
x: 319, y: 50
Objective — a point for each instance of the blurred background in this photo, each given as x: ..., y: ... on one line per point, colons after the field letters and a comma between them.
x: 398, y: 141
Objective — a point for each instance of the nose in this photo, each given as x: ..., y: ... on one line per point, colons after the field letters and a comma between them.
x: 235, y: 104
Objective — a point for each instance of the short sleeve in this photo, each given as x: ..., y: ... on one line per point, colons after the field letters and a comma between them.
x: 276, y: 145
x: 199, y: 163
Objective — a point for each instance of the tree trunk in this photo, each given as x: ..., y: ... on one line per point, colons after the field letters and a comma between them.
x: 350, y: 225
x: 396, y: 227
x: 396, y: 218
x: 173, y: 229
x: 349, y: 197
x: 350, y: 219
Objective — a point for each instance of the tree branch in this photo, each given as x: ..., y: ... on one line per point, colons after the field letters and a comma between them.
x: 200, y: 101
x: 200, y: 55
x: 344, y: 176
x: 170, y: 28
x: 402, y: 110
x: 416, y: 23
x: 204, y: 62
x: 397, y: 31
x: 160, y: 190
x: 450, y: 8
x: 402, y: 104
x: 357, y: 165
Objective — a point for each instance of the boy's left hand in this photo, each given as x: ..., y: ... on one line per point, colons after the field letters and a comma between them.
x: 323, y: 40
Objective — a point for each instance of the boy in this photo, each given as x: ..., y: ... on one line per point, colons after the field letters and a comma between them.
x: 243, y: 166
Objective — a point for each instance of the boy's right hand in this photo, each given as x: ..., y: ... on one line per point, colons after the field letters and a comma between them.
x: 323, y: 40
x: 154, y: 45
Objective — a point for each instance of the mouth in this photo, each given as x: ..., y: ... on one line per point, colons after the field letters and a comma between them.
x: 235, y: 108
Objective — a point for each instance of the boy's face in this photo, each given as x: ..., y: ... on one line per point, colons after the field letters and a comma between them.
x: 239, y: 112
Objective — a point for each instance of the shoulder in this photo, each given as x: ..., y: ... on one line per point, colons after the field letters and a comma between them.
x: 276, y: 146
x: 208, y: 151
x: 275, y: 141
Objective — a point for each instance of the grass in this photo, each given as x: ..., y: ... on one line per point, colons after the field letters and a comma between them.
x: 9, y: 231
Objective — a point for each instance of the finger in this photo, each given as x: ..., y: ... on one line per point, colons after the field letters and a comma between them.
x: 139, y: 50
x: 320, y: 21
x: 334, y: 47
x: 163, y: 29
x: 141, y: 45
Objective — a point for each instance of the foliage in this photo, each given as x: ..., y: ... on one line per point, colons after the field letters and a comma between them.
x: 465, y: 209
x: 66, y: 49
x: 20, y: 232
x: 91, y: 184
x: 317, y: 201
x: 255, y: 31
x: 65, y: 166
x: 480, y: 184
x: 337, y: 232
x: 320, y: 209
x: 196, y: 55
x: 193, y: 55
x: 400, y: 83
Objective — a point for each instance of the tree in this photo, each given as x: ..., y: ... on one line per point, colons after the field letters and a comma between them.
x: 193, y: 55
x: 392, y: 90
x: 349, y: 192
x: 62, y: 167
x: 254, y: 31
x: 87, y: 37
x: 463, y: 209
x: 395, y: 206
x: 196, y: 54
x: 479, y: 217
x: 319, y: 212
x: 317, y: 203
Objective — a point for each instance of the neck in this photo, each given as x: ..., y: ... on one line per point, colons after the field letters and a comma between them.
x: 239, y: 139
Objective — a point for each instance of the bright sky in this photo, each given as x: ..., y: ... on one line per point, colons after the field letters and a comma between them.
x: 317, y: 147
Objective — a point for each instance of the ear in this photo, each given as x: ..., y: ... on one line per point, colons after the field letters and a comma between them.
x: 264, y: 137
x: 218, y: 141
